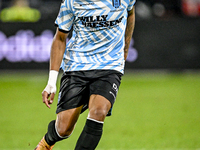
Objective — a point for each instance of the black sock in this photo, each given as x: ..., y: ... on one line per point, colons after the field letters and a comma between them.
x: 90, y: 136
x: 51, y: 137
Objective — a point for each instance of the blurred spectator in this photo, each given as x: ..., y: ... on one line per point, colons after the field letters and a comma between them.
x: 146, y: 9
x: 20, y: 12
x: 191, y: 7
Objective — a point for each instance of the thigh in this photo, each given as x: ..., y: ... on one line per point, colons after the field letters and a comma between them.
x: 73, y: 92
x: 107, y: 87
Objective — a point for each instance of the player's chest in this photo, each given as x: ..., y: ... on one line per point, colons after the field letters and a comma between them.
x: 99, y: 10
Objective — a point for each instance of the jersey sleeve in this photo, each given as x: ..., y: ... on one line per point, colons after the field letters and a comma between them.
x: 130, y: 6
x: 65, y: 18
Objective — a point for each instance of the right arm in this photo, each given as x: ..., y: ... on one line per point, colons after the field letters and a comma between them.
x: 57, y: 51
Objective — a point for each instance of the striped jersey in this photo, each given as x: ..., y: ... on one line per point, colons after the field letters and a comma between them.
x: 98, y: 36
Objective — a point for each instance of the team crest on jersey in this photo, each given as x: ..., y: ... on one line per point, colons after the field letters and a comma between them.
x: 116, y: 3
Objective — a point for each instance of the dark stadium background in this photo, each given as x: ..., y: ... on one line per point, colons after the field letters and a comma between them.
x: 157, y: 107
x: 166, y: 36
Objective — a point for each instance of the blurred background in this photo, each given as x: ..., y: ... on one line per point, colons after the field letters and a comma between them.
x: 166, y: 36
x: 158, y: 102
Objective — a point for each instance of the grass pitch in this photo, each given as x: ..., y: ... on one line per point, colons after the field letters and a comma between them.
x: 152, y: 111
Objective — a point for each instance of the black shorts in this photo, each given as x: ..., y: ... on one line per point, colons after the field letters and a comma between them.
x: 77, y: 87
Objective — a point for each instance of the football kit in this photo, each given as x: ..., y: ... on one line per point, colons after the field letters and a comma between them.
x: 98, y: 40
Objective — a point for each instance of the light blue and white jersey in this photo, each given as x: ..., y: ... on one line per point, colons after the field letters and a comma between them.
x: 98, y: 33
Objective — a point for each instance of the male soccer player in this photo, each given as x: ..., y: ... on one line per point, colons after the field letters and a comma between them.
x: 93, y: 63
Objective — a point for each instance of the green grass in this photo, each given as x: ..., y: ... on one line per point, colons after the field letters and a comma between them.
x: 152, y: 111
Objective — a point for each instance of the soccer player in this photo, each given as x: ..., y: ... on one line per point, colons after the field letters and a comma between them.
x: 93, y: 63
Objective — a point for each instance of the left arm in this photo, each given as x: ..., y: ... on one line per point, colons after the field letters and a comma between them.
x: 129, y: 30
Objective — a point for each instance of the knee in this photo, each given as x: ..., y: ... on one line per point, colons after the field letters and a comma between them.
x: 98, y: 107
x: 64, y: 131
x: 98, y: 114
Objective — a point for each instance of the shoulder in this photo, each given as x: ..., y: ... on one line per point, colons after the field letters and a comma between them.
x: 132, y: 2
x: 68, y: 3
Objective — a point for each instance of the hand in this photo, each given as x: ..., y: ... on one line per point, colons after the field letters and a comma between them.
x: 48, y: 95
